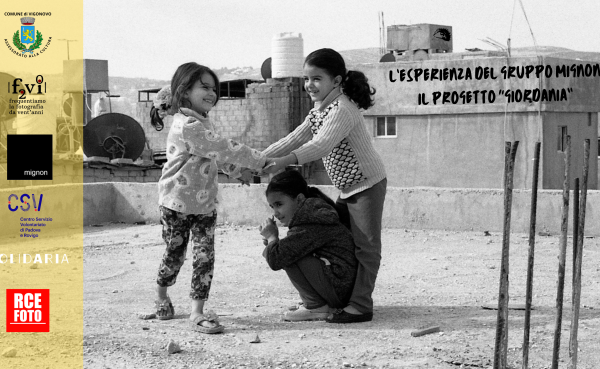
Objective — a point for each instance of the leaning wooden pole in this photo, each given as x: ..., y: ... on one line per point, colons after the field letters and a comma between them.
x: 562, y: 256
x: 575, y: 229
x: 501, y: 347
x: 580, y: 235
x: 532, y: 222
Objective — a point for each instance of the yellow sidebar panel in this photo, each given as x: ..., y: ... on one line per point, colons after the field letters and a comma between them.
x: 41, y: 184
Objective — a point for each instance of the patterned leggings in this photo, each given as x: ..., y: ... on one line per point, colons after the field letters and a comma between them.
x: 177, y: 228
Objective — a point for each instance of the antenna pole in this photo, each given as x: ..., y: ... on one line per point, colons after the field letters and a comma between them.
x: 68, y: 52
x: 383, y: 34
x: 380, y: 34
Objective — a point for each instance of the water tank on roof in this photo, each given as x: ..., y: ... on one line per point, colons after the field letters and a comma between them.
x: 287, y: 55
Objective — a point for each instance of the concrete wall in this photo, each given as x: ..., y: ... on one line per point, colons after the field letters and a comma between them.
x: 467, y: 150
x: 579, y: 126
x: 411, y: 208
x: 445, y: 150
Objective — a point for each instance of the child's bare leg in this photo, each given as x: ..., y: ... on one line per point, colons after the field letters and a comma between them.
x: 164, y: 307
x: 197, y: 310
x: 161, y: 293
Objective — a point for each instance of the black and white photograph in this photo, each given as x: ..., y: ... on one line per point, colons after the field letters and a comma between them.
x: 327, y: 184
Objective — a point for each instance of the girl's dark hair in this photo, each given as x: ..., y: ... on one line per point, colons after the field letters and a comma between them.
x: 184, y: 78
x: 291, y: 183
x: 155, y: 119
x: 354, y: 83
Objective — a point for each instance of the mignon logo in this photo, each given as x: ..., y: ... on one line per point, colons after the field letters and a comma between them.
x: 28, y: 310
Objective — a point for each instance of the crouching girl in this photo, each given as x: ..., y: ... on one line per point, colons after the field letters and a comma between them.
x: 318, y: 251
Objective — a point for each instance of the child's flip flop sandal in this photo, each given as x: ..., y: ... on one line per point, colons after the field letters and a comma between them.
x: 164, y: 309
x: 198, y: 327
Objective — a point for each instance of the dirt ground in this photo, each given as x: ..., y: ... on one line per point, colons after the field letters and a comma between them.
x: 427, y: 278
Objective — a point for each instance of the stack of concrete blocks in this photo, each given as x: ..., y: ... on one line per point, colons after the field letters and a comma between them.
x: 66, y: 173
x: 269, y: 112
x: 93, y: 175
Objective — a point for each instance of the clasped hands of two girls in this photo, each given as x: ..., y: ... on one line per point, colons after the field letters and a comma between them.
x: 272, y: 165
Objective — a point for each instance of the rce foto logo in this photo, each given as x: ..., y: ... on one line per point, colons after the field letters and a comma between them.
x: 27, y: 310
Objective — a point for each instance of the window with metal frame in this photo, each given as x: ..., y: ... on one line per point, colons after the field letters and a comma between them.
x: 385, y: 127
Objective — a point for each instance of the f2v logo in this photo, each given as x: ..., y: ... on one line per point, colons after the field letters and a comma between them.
x: 25, y: 200
x: 30, y: 87
x: 28, y: 310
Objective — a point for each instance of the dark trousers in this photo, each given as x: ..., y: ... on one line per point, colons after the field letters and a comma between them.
x: 312, y: 284
x: 363, y: 211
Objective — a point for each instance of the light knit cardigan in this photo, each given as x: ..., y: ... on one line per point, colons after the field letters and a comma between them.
x: 344, y: 120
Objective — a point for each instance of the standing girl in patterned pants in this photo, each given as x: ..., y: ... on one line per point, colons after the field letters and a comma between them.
x: 188, y: 187
x: 335, y: 131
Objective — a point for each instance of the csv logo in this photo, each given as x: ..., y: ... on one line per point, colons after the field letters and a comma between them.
x: 32, y: 88
x: 25, y: 205
x: 28, y: 310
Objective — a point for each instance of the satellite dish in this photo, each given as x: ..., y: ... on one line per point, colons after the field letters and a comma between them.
x: 113, y: 135
x: 387, y: 58
x: 67, y: 106
x: 265, y: 69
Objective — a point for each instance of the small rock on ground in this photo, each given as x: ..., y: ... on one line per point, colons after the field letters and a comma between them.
x: 9, y: 352
x: 173, y: 347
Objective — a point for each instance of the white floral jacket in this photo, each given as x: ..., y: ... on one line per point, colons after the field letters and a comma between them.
x: 195, y: 152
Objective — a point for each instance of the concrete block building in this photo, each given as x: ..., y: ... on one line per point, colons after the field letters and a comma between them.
x: 450, y: 129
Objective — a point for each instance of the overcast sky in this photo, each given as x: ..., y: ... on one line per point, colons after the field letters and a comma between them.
x: 150, y: 38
